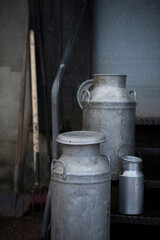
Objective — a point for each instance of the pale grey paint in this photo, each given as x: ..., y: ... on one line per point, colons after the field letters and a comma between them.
x: 12, y: 15
x: 12, y: 21
x: 127, y: 41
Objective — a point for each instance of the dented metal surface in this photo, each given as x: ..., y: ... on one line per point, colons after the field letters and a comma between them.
x: 109, y: 108
x: 80, y: 195
x: 131, y: 186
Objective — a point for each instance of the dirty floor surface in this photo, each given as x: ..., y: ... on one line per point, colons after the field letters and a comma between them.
x: 26, y: 228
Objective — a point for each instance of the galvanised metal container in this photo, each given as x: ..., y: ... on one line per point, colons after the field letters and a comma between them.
x: 109, y: 108
x: 131, y: 186
x: 80, y: 189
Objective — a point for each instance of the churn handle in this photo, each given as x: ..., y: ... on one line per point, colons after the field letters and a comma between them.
x: 85, y: 83
x: 130, y: 145
x: 88, y: 95
x: 134, y: 95
x: 64, y: 167
x: 108, y: 159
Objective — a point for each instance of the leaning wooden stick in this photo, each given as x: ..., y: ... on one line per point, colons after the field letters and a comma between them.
x: 34, y: 107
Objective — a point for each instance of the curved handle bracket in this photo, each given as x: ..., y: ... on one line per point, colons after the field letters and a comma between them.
x: 64, y: 167
x: 134, y: 95
x: 107, y: 158
x: 80, y: 93
x: 86, y: 92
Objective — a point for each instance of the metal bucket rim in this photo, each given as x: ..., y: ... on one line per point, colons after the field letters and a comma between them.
x: 131, y: 159
x: 112, y: 75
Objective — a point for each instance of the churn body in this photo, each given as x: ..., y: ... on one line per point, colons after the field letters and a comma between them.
x: 131, y: 186
x: 109, y: 108
x: 80, y: 196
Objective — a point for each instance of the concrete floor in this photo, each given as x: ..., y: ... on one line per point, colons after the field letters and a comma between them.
x: 28, y: 228
x: 25, y: 228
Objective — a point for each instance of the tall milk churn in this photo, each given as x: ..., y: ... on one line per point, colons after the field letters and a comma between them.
x: 131, y: 186
x: 109, y: 108
x: 80, y: 188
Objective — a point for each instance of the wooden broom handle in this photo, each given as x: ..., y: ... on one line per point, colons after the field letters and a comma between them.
x: 34, y: 98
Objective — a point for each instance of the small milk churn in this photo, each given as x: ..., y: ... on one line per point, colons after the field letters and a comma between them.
x: 80, y: 189
x: 131, y: 186
x: 109, y: 108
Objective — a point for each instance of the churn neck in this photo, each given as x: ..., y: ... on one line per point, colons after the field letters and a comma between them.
x: 81, y: 151
x: 131, y: 163
x: 81, y: 142
x: 110, y: 80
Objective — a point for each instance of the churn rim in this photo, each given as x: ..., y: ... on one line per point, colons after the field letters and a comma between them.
x: 133, y: 159
x: 106, y: 74
x: 81, y: 137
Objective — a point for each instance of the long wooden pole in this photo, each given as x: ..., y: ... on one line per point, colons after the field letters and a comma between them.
x: 34, y: 106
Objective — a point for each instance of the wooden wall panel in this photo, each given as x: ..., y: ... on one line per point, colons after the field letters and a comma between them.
x: 58, y: 21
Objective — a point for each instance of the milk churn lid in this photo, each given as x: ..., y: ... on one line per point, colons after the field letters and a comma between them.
x: 81, y: 138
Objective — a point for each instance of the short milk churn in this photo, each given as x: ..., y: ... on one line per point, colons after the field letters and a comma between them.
x: 109, y: 108
x: 131, y: 186
x: 80, y: 188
